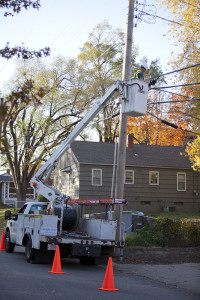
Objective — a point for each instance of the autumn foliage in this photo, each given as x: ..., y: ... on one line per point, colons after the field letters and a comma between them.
x: 151, y: 130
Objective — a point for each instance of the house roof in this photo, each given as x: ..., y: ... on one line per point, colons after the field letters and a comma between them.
x: 6, y: 178
x: 141, y: 155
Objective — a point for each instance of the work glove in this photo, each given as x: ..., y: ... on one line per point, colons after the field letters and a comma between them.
x: 152, y: 82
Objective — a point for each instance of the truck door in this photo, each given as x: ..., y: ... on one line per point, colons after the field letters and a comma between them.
x: 15, y: 225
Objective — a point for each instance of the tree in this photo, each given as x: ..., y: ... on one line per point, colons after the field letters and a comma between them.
x: 186, y: 31
x: 12, y: 7
x: 152, y: 128
x: 193, y: 150
x: 100, y: 61
x: 17, y: 5
x: 42, y: 108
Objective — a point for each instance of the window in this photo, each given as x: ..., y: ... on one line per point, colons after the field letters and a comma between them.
x: 22, y: 209
x: 145, y: 203
x: 178, y: 203
x: 97, y: 177
x: 73, y: 178
x: 181, y: 181
x: 154, y: 178
x: 37, y: 208
x: 129, y: 177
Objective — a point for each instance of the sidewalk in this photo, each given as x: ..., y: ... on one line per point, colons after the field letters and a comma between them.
x: 185, y: 276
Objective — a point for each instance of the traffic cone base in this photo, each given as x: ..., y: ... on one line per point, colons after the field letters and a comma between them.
x: 108, y: 283
x: 56, y: 272
x: 56, y: 268
x: 2, y: 245
x: 109, y: 290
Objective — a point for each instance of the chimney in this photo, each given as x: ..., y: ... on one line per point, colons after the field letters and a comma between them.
x: 130, y: 141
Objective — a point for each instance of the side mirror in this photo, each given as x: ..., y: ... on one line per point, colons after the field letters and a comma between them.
x: 15, y: 217
x: 7, y: 215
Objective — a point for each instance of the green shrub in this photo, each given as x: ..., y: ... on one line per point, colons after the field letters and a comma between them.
x: 41, y: 198
x: 165, y: 232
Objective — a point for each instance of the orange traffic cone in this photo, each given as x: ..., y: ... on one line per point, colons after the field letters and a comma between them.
x: 2, y: 245
x: 108, y: 283
x: 56, y: 268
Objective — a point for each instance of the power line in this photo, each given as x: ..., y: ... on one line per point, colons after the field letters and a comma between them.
x: 180, y: 112
x: 173, y: 125
x: 172, y: 93
x: 174, y: 101
x: 175, y: 71
x: 164, y: 19
x: 175, y: 86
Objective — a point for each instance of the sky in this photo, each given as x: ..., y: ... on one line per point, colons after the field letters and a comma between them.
x: 64, y: 25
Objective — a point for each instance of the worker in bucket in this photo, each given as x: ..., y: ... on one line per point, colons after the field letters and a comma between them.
x: 139, y: 74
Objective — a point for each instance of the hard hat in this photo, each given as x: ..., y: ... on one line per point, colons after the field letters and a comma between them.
x: 144, y: 65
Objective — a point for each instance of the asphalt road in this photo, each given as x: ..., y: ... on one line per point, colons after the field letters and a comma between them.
x: 20, y: 280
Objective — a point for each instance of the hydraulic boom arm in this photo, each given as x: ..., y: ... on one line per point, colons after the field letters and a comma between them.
x: 39, y: 180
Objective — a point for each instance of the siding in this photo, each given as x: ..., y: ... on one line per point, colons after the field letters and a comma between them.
x: 87, y: 190
x: 141, y: 195
x: 67, y: 182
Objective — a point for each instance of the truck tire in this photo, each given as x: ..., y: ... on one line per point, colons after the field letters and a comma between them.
x: 84, y: 260
x: 30, y: 252
x: 8, y: 245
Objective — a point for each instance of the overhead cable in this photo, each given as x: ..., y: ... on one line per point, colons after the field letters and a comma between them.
x: 180, y: 112
x: 172, y: 93
x: 155, y: 16
x: 174, y: 86
x: 173, y: 125
x: 175, y: 71
x: 175, y: 101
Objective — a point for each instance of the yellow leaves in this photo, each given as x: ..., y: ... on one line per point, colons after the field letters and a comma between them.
x: 186, y: 13
x: 193, y: 150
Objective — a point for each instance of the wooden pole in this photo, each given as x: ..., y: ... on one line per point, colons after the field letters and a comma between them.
x: 121, y: 158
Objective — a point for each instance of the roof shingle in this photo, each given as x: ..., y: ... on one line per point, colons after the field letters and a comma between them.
x: 141, y: 155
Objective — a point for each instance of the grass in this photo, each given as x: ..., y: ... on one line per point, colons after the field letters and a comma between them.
x: 193, y: 216
x: 3, y: 222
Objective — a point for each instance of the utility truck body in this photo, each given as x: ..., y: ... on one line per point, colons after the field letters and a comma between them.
x: 37, y: 231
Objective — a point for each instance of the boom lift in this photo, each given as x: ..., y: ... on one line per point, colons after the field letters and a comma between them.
x: 40, y: 233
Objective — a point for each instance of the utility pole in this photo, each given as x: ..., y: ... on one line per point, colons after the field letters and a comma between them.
x: 121, y: 158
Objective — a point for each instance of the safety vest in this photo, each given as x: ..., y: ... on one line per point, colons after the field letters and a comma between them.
x: 136, y: 73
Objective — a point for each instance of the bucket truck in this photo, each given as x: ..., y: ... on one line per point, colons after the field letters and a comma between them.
x: 41, y: 226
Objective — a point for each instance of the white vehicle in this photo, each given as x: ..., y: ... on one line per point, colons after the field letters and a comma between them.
x: 41, y: 226
x: 38, y: 232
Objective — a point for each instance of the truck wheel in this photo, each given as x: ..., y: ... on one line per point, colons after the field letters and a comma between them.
x: 84, y: 260
x: 8, y: 245
x: 29, y: 251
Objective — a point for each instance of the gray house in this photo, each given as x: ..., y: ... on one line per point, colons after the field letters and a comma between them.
x: 156, y: 177
x: 8, y: 192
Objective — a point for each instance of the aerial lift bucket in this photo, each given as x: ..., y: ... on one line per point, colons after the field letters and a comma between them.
x: 134, y: 99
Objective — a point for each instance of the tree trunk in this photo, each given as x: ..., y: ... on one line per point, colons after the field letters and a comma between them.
x: 21, y: 192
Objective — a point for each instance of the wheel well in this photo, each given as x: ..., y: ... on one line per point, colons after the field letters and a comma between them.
x: 25, y: 239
